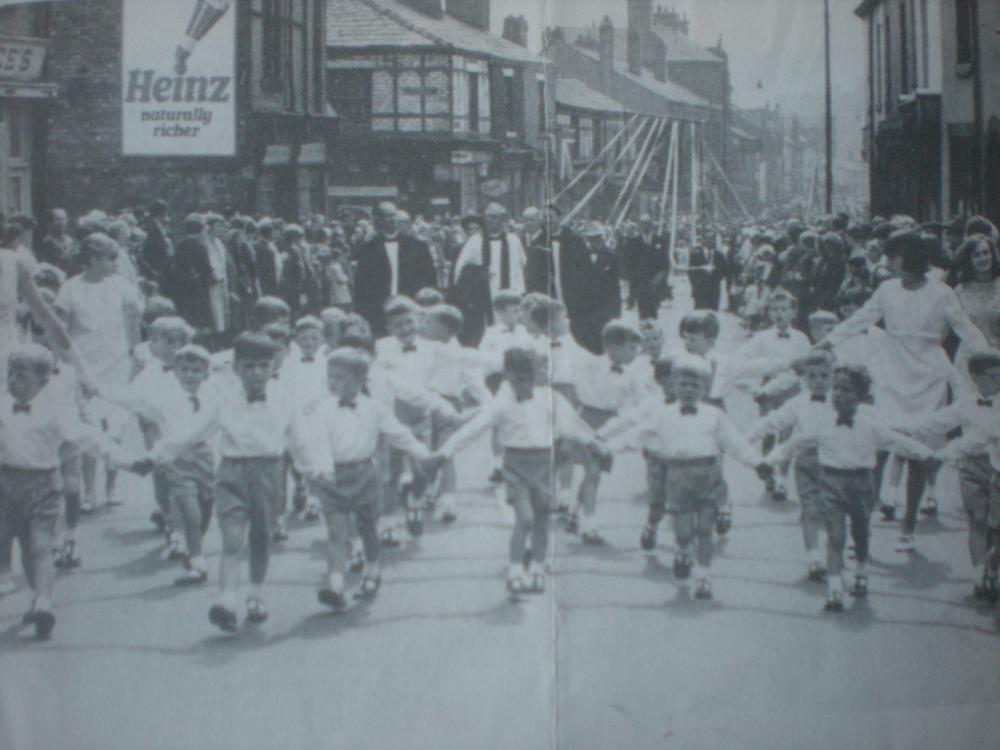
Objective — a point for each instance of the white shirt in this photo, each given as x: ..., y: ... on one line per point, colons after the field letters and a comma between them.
x: 977, y: 415
x: 498, y: 339
x: 335, y: 433
x: 31, y: 440
x: 392, y: 250
x: 533, y: 423
x: 303, y: 379
x: 669, y: 434
x: 387, y: 388
x: 413, y: 361
x: 795, y: 412
x: 246, y: 430
x: 456, y: 370
x: 566, y: 355
x: 768, y: 352
x: 600, y: 384
x: 850, y: 447
x: 472, y: 253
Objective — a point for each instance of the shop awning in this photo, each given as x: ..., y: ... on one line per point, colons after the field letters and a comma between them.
x: 312, y: 154
x: 278, y: 156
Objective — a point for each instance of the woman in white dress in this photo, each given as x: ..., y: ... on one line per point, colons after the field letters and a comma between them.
x: 102, y: 312
x: 917, y: 313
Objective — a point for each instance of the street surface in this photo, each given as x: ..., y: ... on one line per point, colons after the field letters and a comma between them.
x: 613, y: 655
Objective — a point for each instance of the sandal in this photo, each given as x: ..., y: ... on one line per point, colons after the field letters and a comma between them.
x: 860, y: 585
x: 537, y: 585
x: 723, y: 523
x: 516, y: 585
x: 256, y: 610
x: 333, y: 599
x: 817, y: 572
x: 192, y: 577
x: 834, y: 602
x: 414, y: 522
x: 682, y: 566
x: 572, y: 522
x: 369, y: 587
x: 702, y: 589
x: 67, y: 557
x: 648, y: 538
x: 592, y: 538
x: 389, y: 539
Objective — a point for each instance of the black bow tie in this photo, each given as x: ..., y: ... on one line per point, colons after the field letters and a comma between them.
x: 617, y: 368
x: 986, y: 403
x: 195, y: 402
x: 845, y: 420
x: 689, y: 411
x: 409, y: 348
x: 308, y: 358
x: 556, y: 344
x: 347, y: 403
x: 819, y: 398
x: 20, y: 408
x: 522, y: 399
x: 168, y: 368
x: 254, y: 398
x: 784, y: 335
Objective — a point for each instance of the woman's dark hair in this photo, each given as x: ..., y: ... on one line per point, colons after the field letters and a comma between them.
x: 909, y: 246
x: 964, y: 271
x: 95, y: 245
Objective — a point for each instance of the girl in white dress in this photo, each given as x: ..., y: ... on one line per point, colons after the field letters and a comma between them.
x: 917, y: 313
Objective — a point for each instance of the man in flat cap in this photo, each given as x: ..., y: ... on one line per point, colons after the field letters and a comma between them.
x: 192, y: 276
x: 157, y: 250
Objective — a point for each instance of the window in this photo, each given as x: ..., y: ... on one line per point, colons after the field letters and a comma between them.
x: 925, y: 44
x: 509, y: 103
x: 914, y: 51
x: 904, y: 51
x: 888, y: 64
x: 965, y: 31
x: 14, y: 133
x: 877, y: 65
x: 542, y: 117
x: 575, y: 125
x: 351, y: 98
x: 473, y: 103
x: 283, y: 31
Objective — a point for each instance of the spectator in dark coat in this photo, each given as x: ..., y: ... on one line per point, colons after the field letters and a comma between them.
x: 267, y: 255
x: 593, y: 294
x: 157, y: 251
x: 58, y: 247
x: 192, y: 278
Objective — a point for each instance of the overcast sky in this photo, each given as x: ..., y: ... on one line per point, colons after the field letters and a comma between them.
x: 778, y: 43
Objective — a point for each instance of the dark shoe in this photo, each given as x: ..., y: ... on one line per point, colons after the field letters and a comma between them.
x: 834, y: 602
x: 723, y: 523
x: 991, y: 592
x: 537, y: 584
x: 223, y: 618
x: 332, y: 599
x: 414, y: 522
x: 67, y: 558
x: 682, y: 567
x: 389, y: 539
x: 369, y: 588
x: 192, y: 577
x: 593, y: 538
x: 256, y: 610
x: 526, y: 558
x: 311, y: 514
x: 860, y: 586
x: 299, y: 498
x: 496, y: 477
x: 449, y: 517
x: 930, y: 508
x: 159, y: 521
x: 357, y: 562
x: 702, y: 589
x: 572, y: 522
x: 279, y: 535
x: 516, y: 586
x: 817, y: 572
x: 43, y: 620
x: 648, y: 538
x: 888, y: 513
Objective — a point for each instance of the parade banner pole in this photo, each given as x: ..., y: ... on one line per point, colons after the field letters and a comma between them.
x: 640, y: 157
x: 671, y: 155
x: 610, y: 144
x: 725, y: 179
x: 694, y: 184
x: 673, y: 196
x: 642, y: 176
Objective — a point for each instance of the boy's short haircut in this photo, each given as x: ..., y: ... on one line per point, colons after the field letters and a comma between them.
x: 193, y: 353
x: 691, y: 365
x: 34, y: 356
x: 520, y: 360
x: 815, y: 358
x: 269, y: 309
x: 983, y: 360
x: 663, y: 368
x: 332, y: 315
x: 157, y: 307
x: 351, y: 359
x: 542, y: 310
x: 506, y: 298
x: 277, y: 333
x: 172, y: 326
x: 253, y: 347
x: 701, y: 322
x: 355, y: 339
x: 429, y: 297
x: 860, y: 379
x: 823, y: 316
x: 783, y: 295
x: 400, y: 305
x: 357, y: 325
x: 618, y: 332
x: 307, y: 322
x: 449, y: 315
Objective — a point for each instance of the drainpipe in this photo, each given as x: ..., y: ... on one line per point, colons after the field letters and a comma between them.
x: 977, y: 104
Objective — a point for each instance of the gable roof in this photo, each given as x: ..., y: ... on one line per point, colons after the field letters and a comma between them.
x: 359, y: 24
x: 680, y: 47
x: 573, y: 93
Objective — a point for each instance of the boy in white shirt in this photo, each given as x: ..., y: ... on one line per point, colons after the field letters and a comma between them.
x: 344, y: 430
x: 529, y: 418
x: 691, y: 437
x: 848, y: 437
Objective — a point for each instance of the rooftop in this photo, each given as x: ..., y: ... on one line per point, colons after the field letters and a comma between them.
x: 361, y: 24
x: 680, y: 48
x: 573, y: 93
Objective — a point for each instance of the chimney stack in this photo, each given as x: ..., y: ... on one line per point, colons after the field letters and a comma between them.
x: 515, y: 29
x: 640, y: 19
x: 475, y: 13
x: 607, y: 47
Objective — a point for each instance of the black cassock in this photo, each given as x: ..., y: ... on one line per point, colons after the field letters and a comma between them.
x: 590, y: 289
x: 707, y: 269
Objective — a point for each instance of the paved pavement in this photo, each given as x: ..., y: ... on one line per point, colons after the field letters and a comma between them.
x: 613, y: 655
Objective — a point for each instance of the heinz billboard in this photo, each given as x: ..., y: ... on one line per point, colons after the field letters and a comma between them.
x: 179, y: 78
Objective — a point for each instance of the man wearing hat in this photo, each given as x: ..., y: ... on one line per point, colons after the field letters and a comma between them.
x: 192, y: 276
x: 594, y: 297
x: 537, y: 241
x: 646, y: 260
x: 499, y: 256
x: 292, y: 281
x: 390, y: 264
x: 268, y: 258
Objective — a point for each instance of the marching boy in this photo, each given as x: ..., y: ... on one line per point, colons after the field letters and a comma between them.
x: 978, y: 414
x: 847, y: 438
x: 816, y: 370
x: 343, y: 431
x: 527, y: 418
x: 34, y: 423
x: 255, y: 428
x: 690, y: 437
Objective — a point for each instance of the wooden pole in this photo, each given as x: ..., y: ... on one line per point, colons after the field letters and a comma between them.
x: 829, y: 110
x: 607, y: 147
x: 635, y: 168
x: 671, y: 155
x: 673, y: 208
x: 694, y: 184
x: 642, y: 175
